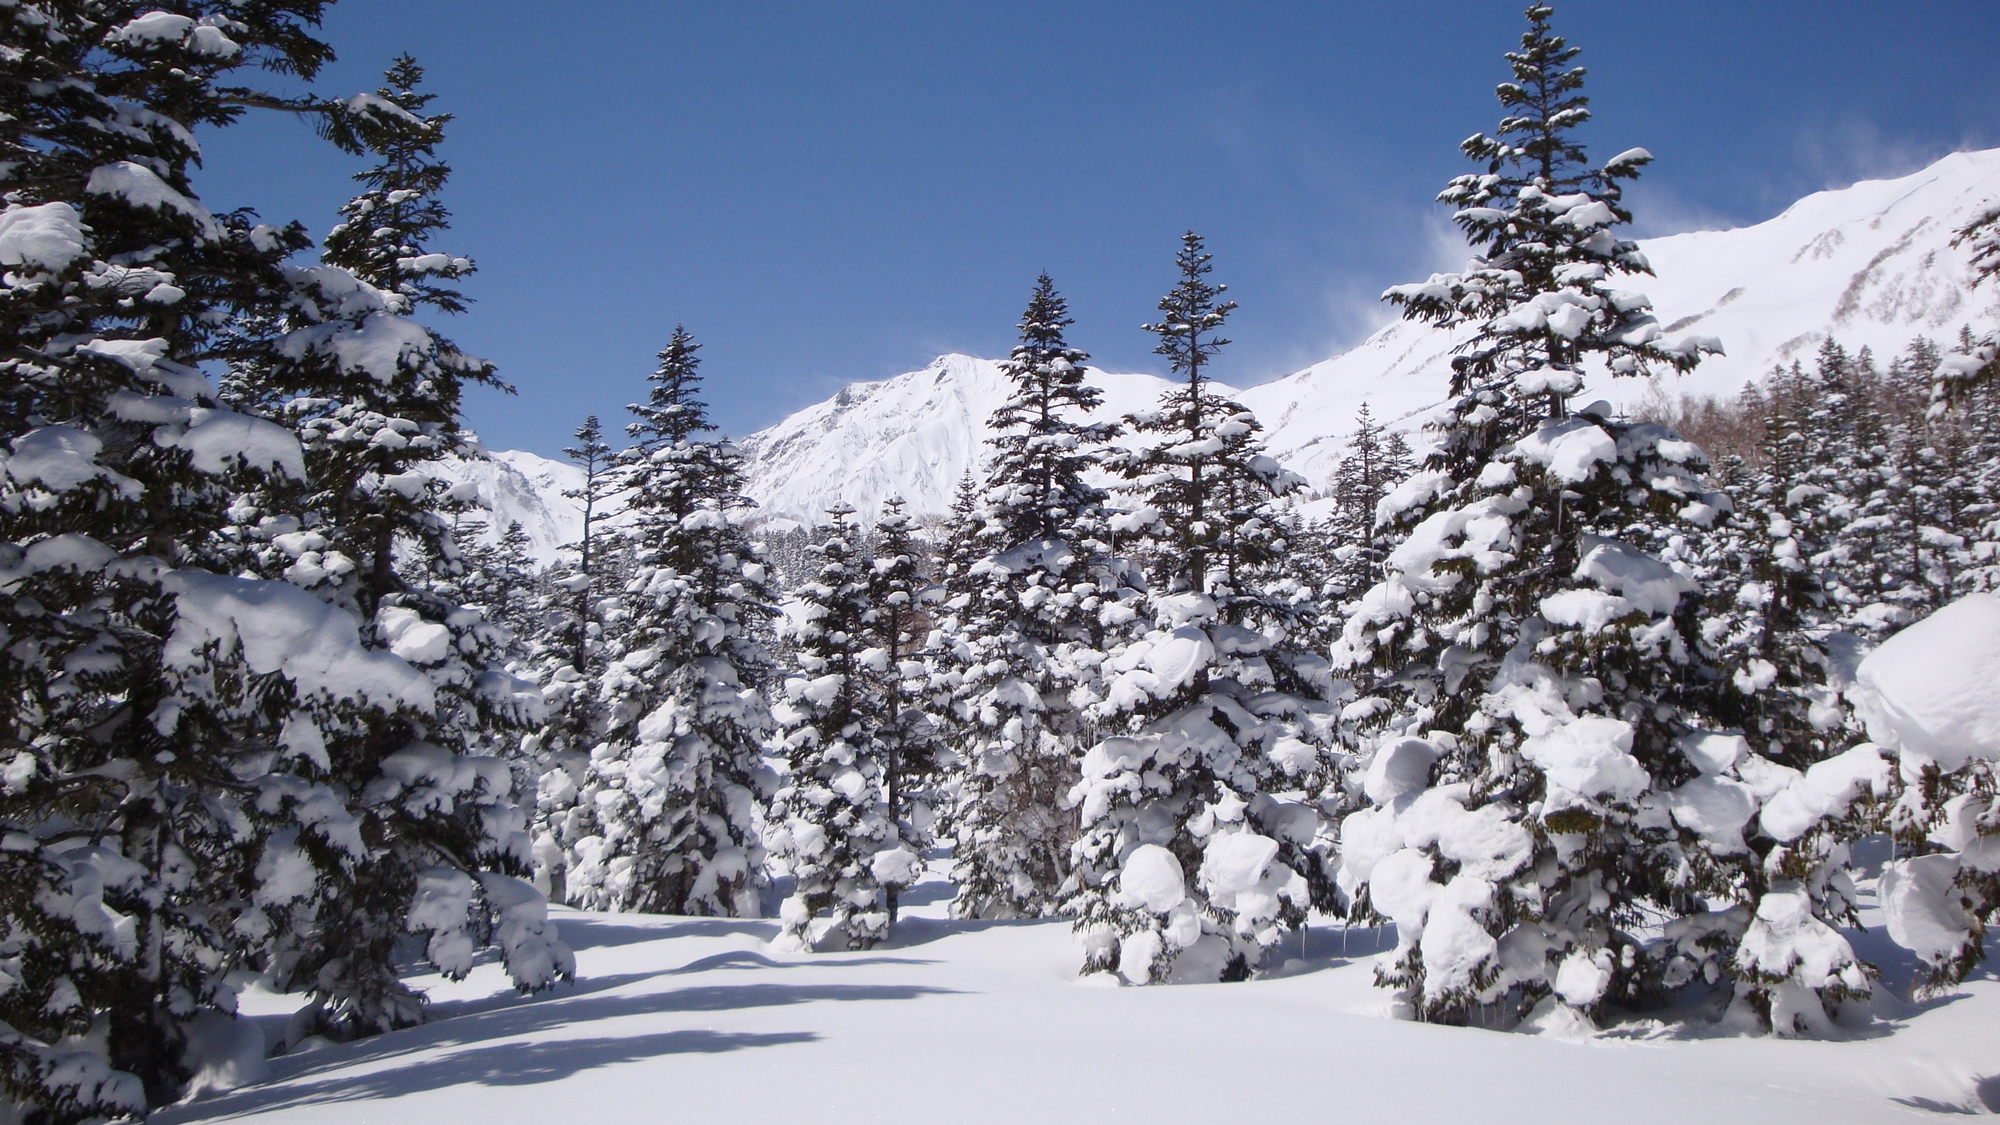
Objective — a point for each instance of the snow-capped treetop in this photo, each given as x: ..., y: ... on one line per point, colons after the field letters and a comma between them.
x: 671, y: 414
x: 1203, y: 479
x: 1539, y: 294
x: 1189, y: 310
x: 1037, y: 487
x: 385, y: 231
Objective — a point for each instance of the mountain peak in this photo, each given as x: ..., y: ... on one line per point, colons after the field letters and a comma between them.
x: 1870, y: 265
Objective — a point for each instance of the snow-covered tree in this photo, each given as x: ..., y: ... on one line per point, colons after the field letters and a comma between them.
x: 1376, y: 461
x: 601, y: 482
x: 1976, y: 360
x: 678, y: 781
x: 1026, y: 634
x: 832, y: 822
x: 915, y: 755
x: 169, y: 801
x: 958, y: 544
x: 1923, y: 694
x: 374, y: 397
x: 1549, y: 775
x: 1190, y: 858
x: 568, y: 654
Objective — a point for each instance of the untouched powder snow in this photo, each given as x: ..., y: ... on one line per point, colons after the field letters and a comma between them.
x: 686, y: 1019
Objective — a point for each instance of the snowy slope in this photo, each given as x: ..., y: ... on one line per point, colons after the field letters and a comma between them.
x: 526, y: 489
x: 1870, y: 264
x: 912, y: 435
x: 699, y: 1019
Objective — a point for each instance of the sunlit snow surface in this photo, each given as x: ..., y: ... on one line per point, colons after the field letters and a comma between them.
x: 676, y: 1019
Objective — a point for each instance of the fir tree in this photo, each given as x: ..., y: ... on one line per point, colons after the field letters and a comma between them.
x: 600, y: 483
x: 959, y: 543
x: 1550, y: 703
x: 169, y: 803
x: 915, y: 757
x: 1038, y: 598
x: 678, y: 780
x: 569, y: 658
x: 374, y: 397
x: 1377, y: 460
x: 1205, y: 486
x: 1187, y: 860
x: 833, y: 821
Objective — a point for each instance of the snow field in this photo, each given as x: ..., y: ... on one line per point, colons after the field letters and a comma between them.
x: 692, y: 1019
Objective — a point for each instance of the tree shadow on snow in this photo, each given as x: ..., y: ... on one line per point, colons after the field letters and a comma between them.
x: 501, y: 1064
x: 456, y: 1027
x: 1985, y: 1099
x: 582, y: 930
x: 924, y: 894
x: 911, y: 932
x: 751, y: 959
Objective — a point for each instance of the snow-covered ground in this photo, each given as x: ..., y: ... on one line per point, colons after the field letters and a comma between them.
x: 683, y: 1019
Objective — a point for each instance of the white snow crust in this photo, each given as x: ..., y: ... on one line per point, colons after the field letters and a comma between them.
x: 1934, y: 688
x: 988, y: 1023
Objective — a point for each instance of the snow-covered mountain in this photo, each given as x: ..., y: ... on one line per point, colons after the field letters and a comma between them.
x: 1870, y: 265
x: 526, y: 489
x: 913, y: 435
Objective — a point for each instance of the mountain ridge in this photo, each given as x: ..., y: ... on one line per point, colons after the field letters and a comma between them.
x: 1869, y: 264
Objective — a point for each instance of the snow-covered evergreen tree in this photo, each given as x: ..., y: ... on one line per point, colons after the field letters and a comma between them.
x: 568, y: 654
x: 1976, y: 359
x: 169, y: 804
x: 1550, y: 773
x: 832, y: 822
x: 1190, y: 859
x: 958, y: 544
x: 915, y: 756
x: 374, y: 397
x: 1377, y: 460
x: 678, y: 781
x: 1026, y: 634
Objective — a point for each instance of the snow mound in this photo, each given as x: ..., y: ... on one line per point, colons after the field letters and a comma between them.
x: 1934, y: 688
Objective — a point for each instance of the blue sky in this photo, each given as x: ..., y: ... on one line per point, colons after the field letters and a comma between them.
x: 831, y: 192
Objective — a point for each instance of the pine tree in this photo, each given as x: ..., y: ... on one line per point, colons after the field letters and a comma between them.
x: 678, y: 781
x: 1218, y: 706
x: 1205, y: 486
x: 569, y: 657
x: 915, y: 756
x: 600, y: 483
x: 1038, y: 596
x: 959, y: 547
x: 1376, y: 461
x: 170, y: 804
x: 374, y: 397
x: 497, y: 578
x: 1548, y: 772
x: 832, y: 820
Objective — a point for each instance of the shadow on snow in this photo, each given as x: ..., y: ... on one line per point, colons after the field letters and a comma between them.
x: 501, y: 1064
x: 423, y: 1058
